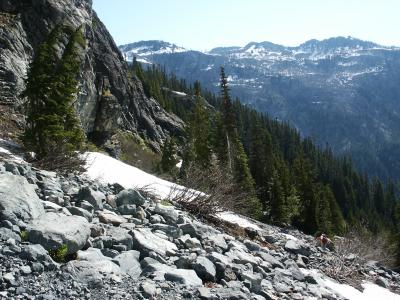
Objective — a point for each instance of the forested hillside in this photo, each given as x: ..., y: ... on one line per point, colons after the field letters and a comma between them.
x: 295, y: 181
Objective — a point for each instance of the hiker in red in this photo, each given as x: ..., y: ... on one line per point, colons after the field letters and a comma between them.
x: 323, y: 240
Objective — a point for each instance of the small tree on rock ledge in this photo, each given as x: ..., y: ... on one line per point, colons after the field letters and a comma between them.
x: 53, y: 131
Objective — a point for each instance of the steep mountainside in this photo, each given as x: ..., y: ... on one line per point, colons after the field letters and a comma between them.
x: 108, y: 100
x: 341, y: 91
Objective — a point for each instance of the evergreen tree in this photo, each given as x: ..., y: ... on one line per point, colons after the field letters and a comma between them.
x: 168, y: 159
x: 323, y: 211
x: 199, y: 129
x: 51, y: 89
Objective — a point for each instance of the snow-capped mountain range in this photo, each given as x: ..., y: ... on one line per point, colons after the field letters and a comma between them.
x: 342, y: 91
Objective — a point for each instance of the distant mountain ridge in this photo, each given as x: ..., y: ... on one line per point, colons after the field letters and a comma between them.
x: 342, y: 91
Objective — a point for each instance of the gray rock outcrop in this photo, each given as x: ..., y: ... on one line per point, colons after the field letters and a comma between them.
x: 109, y: 99
x: 18, y: 199
x: 53, y: 230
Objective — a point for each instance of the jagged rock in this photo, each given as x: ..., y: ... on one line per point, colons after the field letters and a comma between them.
x: 183, y: 276
x: 189, y: 242
x: 110, y: 199
x: 145, y: 242
x: 382, y: 282
x: 241, y: 257
x: 86, y: 205
x: 218, y: 257
x: 205, y: 293
x: 107, y: 217
x: 51, y: 206
x: 254, y: 279
x: 157, y: 219
x: 91, y: 266
x: 52, y: 233
x: 26, y: 270
x: 96, y: 230
x: 172, y: 231
x: 18, y: 199
x: 35, y: 253
x: 168, y: 212
x: 6, y: 234
x: 117, y: 236
x: 131, y: 197
x: 129, y: 263
x: 252, y: 246
x: 161, y: 271
x: 148, y: 289
x: 77, y: 211
x: 205, y: 269
x: 95, y: 198
x: 127, y: 209
x: 271, y: 260
x: 185, y: 262
x: 297, y: 248
x: 218, y: 240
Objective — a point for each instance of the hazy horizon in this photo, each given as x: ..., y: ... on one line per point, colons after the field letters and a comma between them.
x: 208, y: 24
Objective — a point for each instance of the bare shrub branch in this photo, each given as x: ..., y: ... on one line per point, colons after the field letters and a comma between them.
x: 354, y: 250
x: 219, y: 192
x: 63, y: 162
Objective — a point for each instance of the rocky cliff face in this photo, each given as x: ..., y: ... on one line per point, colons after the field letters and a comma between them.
x: 109, y: 99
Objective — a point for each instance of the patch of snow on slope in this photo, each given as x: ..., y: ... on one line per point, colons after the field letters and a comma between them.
x: 180, y: 94
x: 238, y: 220
x: 6, y: 148
x: 371, y: 291
x: 109, y: 170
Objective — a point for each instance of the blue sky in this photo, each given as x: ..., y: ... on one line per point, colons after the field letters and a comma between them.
x: 204, y: 24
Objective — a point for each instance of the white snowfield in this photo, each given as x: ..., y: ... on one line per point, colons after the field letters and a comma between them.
x: 109, y: 170
x: 371, y: 291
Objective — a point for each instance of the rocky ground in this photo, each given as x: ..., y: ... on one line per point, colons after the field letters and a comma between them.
x: 123, y: 244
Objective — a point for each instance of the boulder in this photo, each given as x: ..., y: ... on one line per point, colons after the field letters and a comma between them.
x: 297, y: 247
x: 127, y: 209
x: 271, y: 260
x: 77, y: 211
x: 189, y: 242
x: 218, y: 257
x: 54, y: 230
x: 172, y: 231
x: 254, y: 279
x: 95, y: 198
x: 34, y: 253
x: 91, y: 266
x: 218, y: 240
x: 241, y: 257
x: 117, y: 236
x: 149, y: 289
x: 183, y: 276
x: 108, y: 217
x: 18, y: 199
x: 382, y: 282
x: 205, y: 269
x: 168, y: 212
x: 160, y: 272
x: 129, y: 263
x: 145, y: 242
x: 129, y: 196
x: 6, y: 234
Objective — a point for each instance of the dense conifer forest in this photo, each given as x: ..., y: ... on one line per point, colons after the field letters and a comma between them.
x: 295, y: 181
